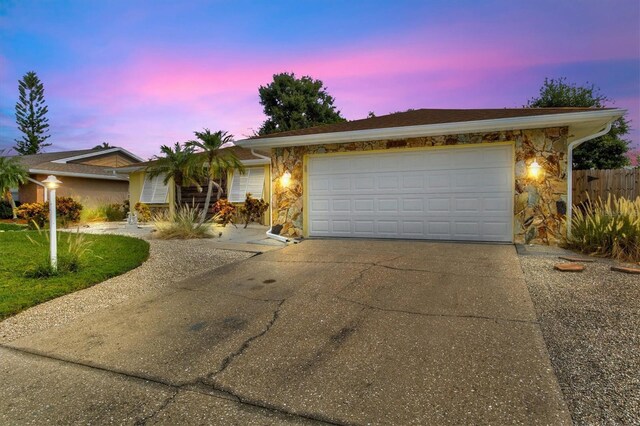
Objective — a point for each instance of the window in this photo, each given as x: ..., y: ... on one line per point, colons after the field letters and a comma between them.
x: 251, y: 182
x: 154, y: 191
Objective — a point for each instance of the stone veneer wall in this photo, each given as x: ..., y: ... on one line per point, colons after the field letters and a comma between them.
x: 540, y: 206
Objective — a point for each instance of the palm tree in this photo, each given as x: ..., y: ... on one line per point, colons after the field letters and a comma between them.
x: 177, y: 163
x: 216, y: 161
x: 12, y: 175
x: 103, y: 145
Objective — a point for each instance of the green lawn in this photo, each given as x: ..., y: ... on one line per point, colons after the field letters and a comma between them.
x: 110, y: 255
x: 12, y: 227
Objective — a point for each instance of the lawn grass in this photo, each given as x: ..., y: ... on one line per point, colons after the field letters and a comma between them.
x: 110, y: 255
x: 12, y: 227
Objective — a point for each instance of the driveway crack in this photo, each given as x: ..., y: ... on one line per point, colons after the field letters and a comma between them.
x: 165, y: 404
x: 243, y: 347
x: 197, y: 386
x: 425, y: 314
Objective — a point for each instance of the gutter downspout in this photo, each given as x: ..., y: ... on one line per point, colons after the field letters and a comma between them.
x: 270, y: 196
x: 42, y: 185
x: 570, y: 148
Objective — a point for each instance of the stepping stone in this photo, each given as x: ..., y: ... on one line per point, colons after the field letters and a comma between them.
x: 568, y: 267
x: 625, y: 269
x: 577, y: 259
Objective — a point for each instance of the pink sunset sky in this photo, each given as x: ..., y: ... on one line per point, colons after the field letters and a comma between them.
x: 143, y: 74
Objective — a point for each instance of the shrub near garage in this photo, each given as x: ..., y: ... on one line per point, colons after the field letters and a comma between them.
x: 253, y: 209
x: 223, y: 212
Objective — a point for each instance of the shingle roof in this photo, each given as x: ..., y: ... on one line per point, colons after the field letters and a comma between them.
x: 421, y: 117
x: 46, y: 162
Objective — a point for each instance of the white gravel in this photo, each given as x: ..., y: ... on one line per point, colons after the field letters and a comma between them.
x: 169, y: 261
x: 591, y: 324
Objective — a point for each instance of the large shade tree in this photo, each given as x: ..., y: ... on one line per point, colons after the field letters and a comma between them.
x: 177, y: 163
x: 214, y: 160
x: 292, y: 103
x: 12, y: 175
x: 31, y: 115
x: 606, y: 152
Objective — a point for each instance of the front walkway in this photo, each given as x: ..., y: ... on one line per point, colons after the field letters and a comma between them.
x: 342, y: 332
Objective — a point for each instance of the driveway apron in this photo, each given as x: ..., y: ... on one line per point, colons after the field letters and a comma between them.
x: 335, y: 331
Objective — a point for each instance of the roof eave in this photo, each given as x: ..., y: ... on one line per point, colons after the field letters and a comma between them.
x: 476, y: 126
x: 134, y: 168
x: 74, y: 174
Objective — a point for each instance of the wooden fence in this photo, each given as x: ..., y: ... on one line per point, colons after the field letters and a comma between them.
x: 601, y: 183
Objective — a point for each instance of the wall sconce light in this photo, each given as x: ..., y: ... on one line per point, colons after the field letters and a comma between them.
x: 285, y: 179
x: 535, y: 170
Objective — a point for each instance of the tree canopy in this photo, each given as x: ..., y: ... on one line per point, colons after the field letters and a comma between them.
x: 31, y: 115
x: 292, y: 103
x: 606, y: 152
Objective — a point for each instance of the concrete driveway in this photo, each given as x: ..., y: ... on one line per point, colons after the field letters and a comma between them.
x: 335, y: 331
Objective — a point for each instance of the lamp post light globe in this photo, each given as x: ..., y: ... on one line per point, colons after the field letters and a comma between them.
x: 51, y: 183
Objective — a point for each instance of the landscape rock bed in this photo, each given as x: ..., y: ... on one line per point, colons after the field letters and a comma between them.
x: 591, y: 325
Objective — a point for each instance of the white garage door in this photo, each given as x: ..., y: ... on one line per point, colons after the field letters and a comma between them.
x: 442, y: 194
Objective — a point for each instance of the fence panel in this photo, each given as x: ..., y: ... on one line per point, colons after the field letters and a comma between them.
x: 601, y: 183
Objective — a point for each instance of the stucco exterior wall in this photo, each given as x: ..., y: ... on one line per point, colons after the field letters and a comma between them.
x: 93, y: 192
x: 90, y: 192
x: 539, y: 205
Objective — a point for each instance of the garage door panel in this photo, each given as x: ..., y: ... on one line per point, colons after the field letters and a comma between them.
x: 463, y: 194
x: 469, y: 230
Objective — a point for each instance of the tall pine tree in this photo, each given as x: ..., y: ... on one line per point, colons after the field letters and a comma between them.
x: 31, y: 114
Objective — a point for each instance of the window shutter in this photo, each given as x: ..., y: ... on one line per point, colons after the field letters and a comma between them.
x: 154, y: 191
x: 251, y: 182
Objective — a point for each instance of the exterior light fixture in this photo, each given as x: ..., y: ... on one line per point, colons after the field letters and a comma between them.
x: 51, y: 183
x: 535, y: 170
x: 286, y: 178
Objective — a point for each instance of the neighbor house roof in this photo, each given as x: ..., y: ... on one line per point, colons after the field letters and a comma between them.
x: 248, y: 157
x: 60, y: 163
x: 431, y: 122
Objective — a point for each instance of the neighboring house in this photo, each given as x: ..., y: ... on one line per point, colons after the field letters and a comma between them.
x: 431, y: 174
x: 86, y: 175
x: 154, y: 192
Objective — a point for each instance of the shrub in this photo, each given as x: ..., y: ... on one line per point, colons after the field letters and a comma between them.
x: 183, y: 225
x: 6, y: 212
x: 608, y: 228
x: 34, y: 213
x: 67, y: 209
x: 253, y: 209
x: 114, y: 212
x: 93, y: 214
x: 223, y: 212
x: 143, y: 211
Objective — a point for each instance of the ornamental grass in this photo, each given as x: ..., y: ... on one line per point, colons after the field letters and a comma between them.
x: 609, y: 228
x: 183, y: 225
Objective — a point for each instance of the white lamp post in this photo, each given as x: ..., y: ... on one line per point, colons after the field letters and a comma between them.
x: 51, y: 183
